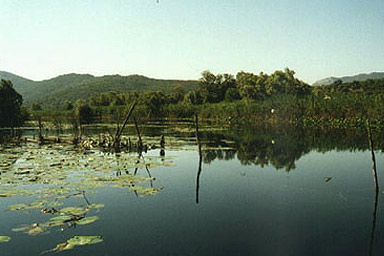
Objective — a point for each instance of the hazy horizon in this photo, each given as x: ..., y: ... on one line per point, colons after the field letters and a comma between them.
x: 42, y: 39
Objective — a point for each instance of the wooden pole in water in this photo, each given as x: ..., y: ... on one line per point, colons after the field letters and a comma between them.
x: 197, y: 133
x: 162, y: 145
x: 370, y: 141
x: 41, y: 139
x: 199, y: 170
x: 140, y: 146
x: 80, y: 131
x: 371, y: 146
x: 373, y: 223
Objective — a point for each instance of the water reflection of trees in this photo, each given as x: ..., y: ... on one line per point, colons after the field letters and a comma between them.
x: 281, y: 147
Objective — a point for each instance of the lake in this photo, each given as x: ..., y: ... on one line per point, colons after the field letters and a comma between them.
x: 256, y: 191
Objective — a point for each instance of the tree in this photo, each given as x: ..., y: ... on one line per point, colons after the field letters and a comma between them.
x: 285, y: 82
x: 193, y: 97
x: 68, y: 105
x: 84, y: 112
x: 11, y: 113
x: 153, y: 101
x: 36, y: 107
x: 232, y: 94
x: 213, y: 87
x: 250, y: 85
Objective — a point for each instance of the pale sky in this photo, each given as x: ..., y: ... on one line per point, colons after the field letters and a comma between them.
x: 178, y: 39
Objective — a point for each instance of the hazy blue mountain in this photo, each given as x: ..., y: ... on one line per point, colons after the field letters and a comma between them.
x: 349, y: 79
x: 80, y: 86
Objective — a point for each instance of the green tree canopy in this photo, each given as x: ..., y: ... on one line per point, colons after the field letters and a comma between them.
x: 11, y: 113
x: 212, y: 87
x: 36, y: 106
x: 84, y: 112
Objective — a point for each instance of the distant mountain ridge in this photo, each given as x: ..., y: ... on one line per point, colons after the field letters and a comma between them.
x: 349, y: 79
x: 70, y: 87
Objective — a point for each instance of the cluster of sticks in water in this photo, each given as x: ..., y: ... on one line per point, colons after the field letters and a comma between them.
x: 104, y: 141
x: 112, y: 142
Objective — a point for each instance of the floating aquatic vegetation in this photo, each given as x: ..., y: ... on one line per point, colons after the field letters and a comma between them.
x: 61, y: 218
x: 4, y: 239
x: 85, y: 240
x: 12, y: 191
x: 37, y: 230
x: 96, y: 206
x: 74, y: 210
x: 143, y: 191
x: 33, y: 205
x: 56, y: 173
x: 32, y: 230
x: 76, y: 241
x: 54, y: 204
x: 37, y: 204
x: 87, y: 220
x: 17, y: 207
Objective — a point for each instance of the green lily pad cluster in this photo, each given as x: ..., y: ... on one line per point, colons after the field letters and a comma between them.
x: 46, y: 176
x: 62, y: 171
x: 33, y: 205
x: 64, y: 218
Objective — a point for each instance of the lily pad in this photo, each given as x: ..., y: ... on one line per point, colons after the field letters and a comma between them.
x: 87, y: 220
x: 32, y: 230
x: 61, y: 218
x: 4, y: 239
x: 77, y: 241
x: 85, y: 240
x: 54, y: 204
x: 143, y: 191
x: 96, y: 206
x: 36, y: 205
x: 17, y: 207
x: 62, y: 247
x: 74, y: 210
x: 36, y: 231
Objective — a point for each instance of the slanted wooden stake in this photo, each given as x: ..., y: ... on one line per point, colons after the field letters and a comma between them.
x: 119, y: 131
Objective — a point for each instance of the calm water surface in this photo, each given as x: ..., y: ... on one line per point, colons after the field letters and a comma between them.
x: 260, y: 192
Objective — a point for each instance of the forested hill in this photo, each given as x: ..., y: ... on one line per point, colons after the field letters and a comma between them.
x: 350, y: 79
x: 70, y: 87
